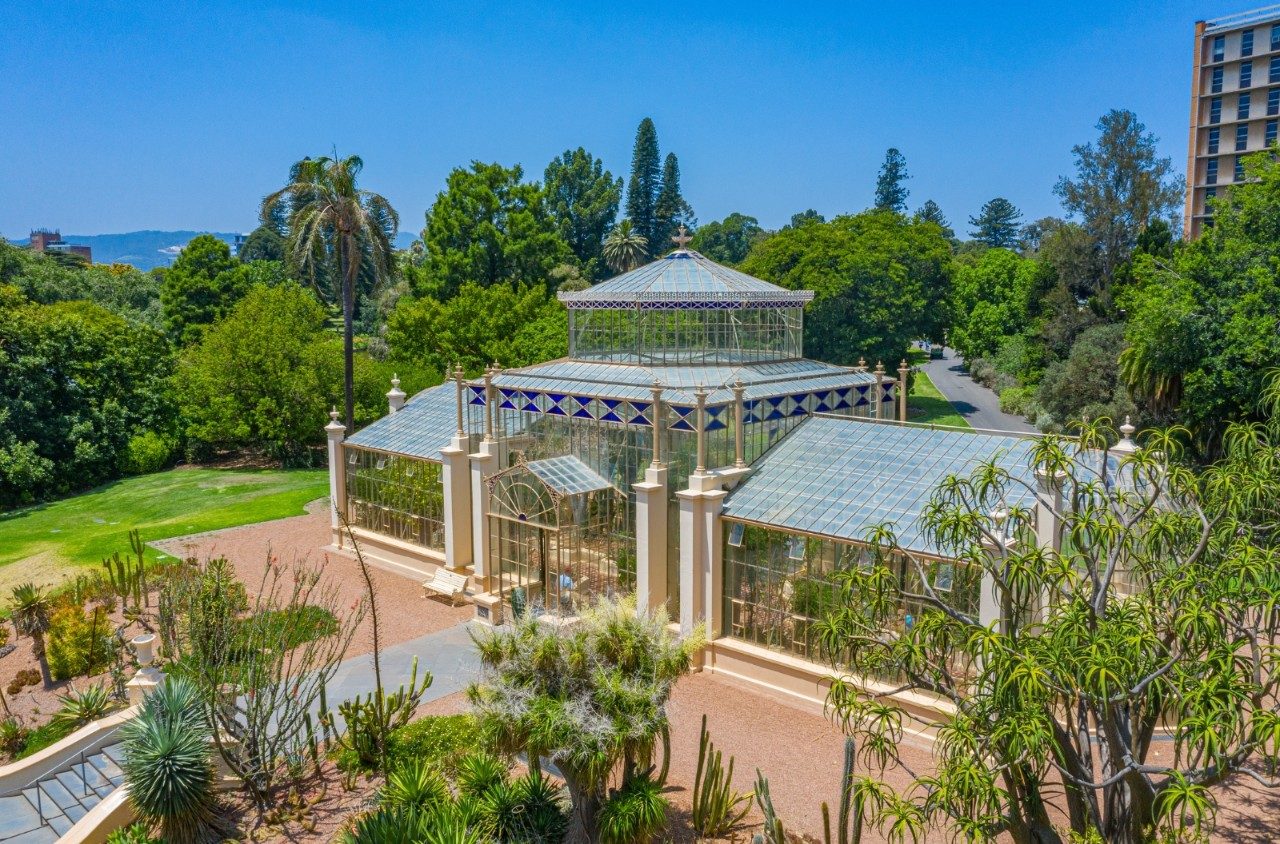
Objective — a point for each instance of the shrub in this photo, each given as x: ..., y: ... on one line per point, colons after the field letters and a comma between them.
x: 634, y: 813
x: 148, y: 452
x: 13, y: 737
x: 1017, y: 399
x: 25, y: 677
x: 41, y: 737
x: 79, y: 708
x: 132, y: 834
x: 439, y: 740
x: 79, y: 642
x: 167, y: 764
x: 479, y: 773
x: 539, y: 811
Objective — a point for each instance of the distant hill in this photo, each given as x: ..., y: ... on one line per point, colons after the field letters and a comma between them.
x: 148, y: 249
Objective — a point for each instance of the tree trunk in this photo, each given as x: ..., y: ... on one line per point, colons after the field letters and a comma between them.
x: 37, y: 650
x: 583, y: 814
x: 349, y: 267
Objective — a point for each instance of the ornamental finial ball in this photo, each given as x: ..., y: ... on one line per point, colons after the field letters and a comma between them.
x: 333, y: 414
x: 682, y: 239
x: 1127, y: 428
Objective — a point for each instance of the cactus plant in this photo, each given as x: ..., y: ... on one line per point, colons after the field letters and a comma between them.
x: 717, y: 808
x: 773, y: 833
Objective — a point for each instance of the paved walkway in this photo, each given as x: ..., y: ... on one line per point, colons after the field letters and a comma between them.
x: 448, y: 654
x: 979, y: 406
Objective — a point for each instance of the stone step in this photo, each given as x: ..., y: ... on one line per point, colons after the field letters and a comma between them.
x: 55, y: 793
x: 97, y: 780
x: 107, y: 768
x: 16, y: 817
x: 60, y: 824
x: 43, y: 835
x: 115, y: 752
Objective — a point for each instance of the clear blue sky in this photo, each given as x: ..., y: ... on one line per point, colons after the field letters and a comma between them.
x: 175, y: 115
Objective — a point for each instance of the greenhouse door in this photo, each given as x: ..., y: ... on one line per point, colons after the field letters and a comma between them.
x: 523, y: 564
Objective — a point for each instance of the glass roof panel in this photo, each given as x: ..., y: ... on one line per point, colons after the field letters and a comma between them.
x: 568, y: 474
x: 421, y: 428
x: 683, y: 276
x: 838, y: 477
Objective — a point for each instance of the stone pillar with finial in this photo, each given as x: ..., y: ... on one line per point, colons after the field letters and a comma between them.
x: 878, y: 405
x: 651, y: 518
x: 456, y: 480
x: 1126, y: 445
x: 149, y: 676
x: 483, y: 464
x: 335, y: 433
x: 395, y: 397
x: 903, y: 372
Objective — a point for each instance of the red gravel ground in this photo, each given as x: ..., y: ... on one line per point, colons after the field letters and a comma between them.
x: 404, y: 612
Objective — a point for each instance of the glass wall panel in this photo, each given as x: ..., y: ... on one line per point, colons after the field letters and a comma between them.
x: 399, y: 497
x: 779, y: 585
x: 678, y: 336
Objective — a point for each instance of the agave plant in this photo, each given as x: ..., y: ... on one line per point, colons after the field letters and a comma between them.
x: 79, y: 708
x: 531, y: 810
x: 30, y: 610
x: 415, y: 785
x: 634, y: 813
x: 479, y: 773
x: 167, y: 765
x: 446, y: 823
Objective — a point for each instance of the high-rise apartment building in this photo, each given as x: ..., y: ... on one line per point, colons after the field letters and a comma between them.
x: 1235, y: 105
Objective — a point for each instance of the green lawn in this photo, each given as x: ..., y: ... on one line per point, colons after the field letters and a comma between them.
x: 936, y: 409
x: 52, y: 539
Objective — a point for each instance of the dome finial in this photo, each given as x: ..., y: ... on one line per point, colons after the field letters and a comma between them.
x: 682, y: 239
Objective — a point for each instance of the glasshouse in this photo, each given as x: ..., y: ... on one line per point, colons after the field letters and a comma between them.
x: 685, y: 452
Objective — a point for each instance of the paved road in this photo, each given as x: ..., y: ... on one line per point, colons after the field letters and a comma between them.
x: 979, y: 406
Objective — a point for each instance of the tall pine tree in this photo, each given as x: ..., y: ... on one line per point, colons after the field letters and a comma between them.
x: 931, y: 213
x: 644, y: 185
x: 891, y: 189
x: 997, y: 224
x: 671, y: 209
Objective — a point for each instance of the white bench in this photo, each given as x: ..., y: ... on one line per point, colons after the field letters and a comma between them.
x: 450, y: 584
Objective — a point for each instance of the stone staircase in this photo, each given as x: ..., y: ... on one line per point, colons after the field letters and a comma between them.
x: 46, y: 809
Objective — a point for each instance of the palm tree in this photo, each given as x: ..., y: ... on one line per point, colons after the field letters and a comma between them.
x: 333, y: 224
x: 30, y: 613
x: 625, y: 248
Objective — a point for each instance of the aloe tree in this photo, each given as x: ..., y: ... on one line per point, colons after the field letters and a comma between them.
x: 625, y: 248
x: 592, y: 700
x: 30, y: 611
x: 1124, y: 667
x: 337, y: 227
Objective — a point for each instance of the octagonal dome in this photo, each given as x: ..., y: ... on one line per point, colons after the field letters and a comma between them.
x: 685, y: 279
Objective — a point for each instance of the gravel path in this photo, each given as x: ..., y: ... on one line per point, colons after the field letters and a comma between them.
x: 979, y: 406
x: 404, y: 612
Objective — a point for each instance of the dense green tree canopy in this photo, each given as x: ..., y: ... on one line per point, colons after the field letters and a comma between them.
x: 489, y: 227
x: 120, y: 288
x: 993, y: 298
x: 481, y: 325
x: 727, y: 241
x: 997, y: 224
x: 263, y: 244
x: 200, y: 287
x: 931, y: 213
x: 880, y: 279
x: 76, y: 383
x: 644, y: 184
x: 1204, y: 326
x: 1121, y: 186
x: 891, y: 187
x: 804, y: 218
x: 582, y: 198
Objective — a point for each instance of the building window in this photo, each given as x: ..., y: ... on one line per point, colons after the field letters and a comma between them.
x: 1214, y: 136
x: 1270, y: 138
x: 1211, y: 172
x: 1246, y: 43
x: 1273, y: 101
x: 1246, y: 74
x: 1242, y: 110
x: 1274, y: 75
x: 1238, y: 174
x: 1215, y: 81
x: 1242, y: 138
x: 1215, y: 110
x: 1220, y: 46
x: 1275, y: 37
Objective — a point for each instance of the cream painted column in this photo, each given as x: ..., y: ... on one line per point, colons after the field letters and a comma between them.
x: 483, y: 464
x: 877, y: 406
x: 712, y: 559
x: 692, y: 543
x: 651, y: 519
x: 1048, y: 508
x: 456, y: 479
x: 903, y: 371
x: 651, y: 539
x: 990, y: 610
x: 700, y: 552
x: 336, y: 432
